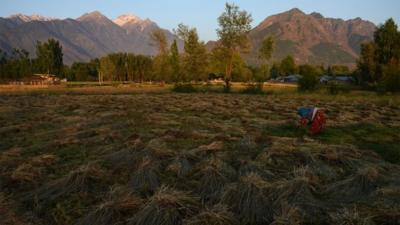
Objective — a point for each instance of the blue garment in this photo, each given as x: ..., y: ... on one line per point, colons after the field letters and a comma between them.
x: 305, y: 112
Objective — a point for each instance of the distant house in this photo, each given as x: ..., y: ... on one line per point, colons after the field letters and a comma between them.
x: 294, y: 78
x: 325, y: 79
x: 39, y: 79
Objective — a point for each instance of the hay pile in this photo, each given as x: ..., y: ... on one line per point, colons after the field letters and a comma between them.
x: 288, y: 215
x: 34, y: 169
x: 145, y: 179
x: 117, y: 207
x: 284, y: 152
x: 300, y: 192
x: 249, y: 199
x: 356, y: 187
x: 216, y: 215
x: 247, y: 167
x: 212, y: 175
x: 85, y: 179
x: 350, y: 216
x: 181, y: 166
x: 167, y: 206
x: 159, y: 149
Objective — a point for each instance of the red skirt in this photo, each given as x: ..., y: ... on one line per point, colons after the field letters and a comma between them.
x: 318, y: 123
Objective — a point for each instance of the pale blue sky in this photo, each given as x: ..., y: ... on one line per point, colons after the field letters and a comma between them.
x: 202, y: 14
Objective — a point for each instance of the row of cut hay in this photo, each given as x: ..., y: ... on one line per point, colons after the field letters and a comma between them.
x: 167, y: 206
x: 212, y: 175
x: 249, y: 200
x: 126, y: 158
x: 181, y: 166
x: 291, y: 199
x: 215, y: 215
x: 159, y: 149
x: 120, y: 204
x: 145, y: 179
x: 300, y: 192
x: 350, y: 216
x: 259, y: 168
x: 356, y: 187
x: 330, y: 162
x: 32, y: 170
x: 285, y: 153
x: 86, y: 179
x: 25, y: 174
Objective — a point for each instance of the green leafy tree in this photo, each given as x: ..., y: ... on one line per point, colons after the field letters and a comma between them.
x: 161, y: 65
x: 49, y: 57
x: 107, y: 69
x: 265, y: 54
x: 309, y: 79
x: 275, y: 70
x: 131, y: 69
x: 340, y: 70
x: 234, y: 26
x: 380, y: 60
x: 143, y: 67
x: 83, y: 71
x: 21, y: 63
x: 3, y: 63
x: 195, y: 56
x: 288, y: 66
x: 386, y: 39
x: 366, y: 64
x: 391, y: 78
x: 174, y: 60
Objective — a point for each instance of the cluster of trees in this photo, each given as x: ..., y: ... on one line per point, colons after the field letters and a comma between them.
x: 379, y: 64
x: 18, y: 65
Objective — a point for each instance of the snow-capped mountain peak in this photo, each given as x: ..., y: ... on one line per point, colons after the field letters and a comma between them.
x: 26, y: 18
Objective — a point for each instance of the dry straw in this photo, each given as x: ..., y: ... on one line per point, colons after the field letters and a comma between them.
x: 249, y: 200
x: 213, y: 174
x: 168, y: 207
x: 119, y: 204
x: 145, y: 179
x: 216, y: 215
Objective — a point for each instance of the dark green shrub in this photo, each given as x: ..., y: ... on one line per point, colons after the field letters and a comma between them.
x: 184, y: 88
x: 253, y: 89
x: 391, y: 80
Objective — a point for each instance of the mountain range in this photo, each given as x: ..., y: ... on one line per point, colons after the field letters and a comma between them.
x: 90, y: 36
x: 310, y: 38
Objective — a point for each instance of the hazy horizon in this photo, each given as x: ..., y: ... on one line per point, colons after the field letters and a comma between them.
x: 201, y: 14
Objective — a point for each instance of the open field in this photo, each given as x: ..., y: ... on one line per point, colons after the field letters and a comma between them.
x: 107, y: 155
x: 116, y: 88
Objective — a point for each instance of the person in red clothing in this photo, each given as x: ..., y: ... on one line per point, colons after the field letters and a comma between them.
x: 313, y: 116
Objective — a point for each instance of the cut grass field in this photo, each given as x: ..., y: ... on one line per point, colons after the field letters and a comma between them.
x: 144, y: 155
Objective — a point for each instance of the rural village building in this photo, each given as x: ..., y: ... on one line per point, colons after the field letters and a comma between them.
x: 39, y: 79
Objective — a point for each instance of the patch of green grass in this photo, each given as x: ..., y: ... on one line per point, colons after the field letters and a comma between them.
x: 381, y: 139
x: 289, y: 130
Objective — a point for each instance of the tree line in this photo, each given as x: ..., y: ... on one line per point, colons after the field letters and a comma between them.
x: 377, y: 67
